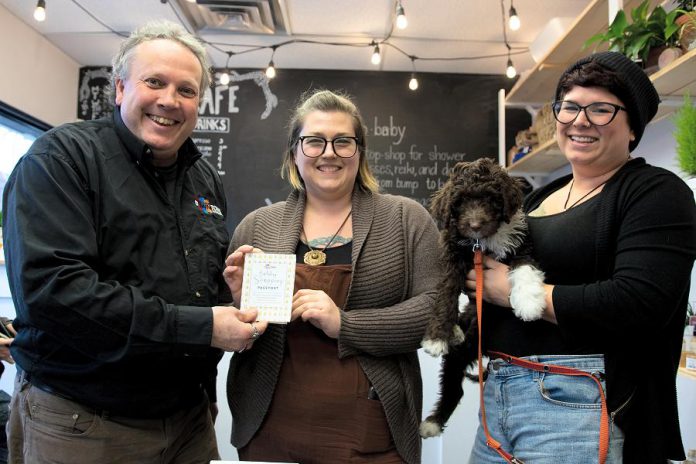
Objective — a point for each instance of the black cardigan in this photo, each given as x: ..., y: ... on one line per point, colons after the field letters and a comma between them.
x: 645, y: 242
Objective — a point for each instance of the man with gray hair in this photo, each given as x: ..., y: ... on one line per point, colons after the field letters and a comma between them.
x: 115, y: 245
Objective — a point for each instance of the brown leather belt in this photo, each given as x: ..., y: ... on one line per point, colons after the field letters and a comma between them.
x: 563, y: 370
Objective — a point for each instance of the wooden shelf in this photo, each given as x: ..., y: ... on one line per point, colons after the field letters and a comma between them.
x: 687, y: 372
x: 546, y: 158
x: 674, y: 80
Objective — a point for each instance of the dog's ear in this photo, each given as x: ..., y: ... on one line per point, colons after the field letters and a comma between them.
x: 440, y: 203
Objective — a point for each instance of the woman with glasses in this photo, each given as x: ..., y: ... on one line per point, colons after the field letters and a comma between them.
x: 594, y: 380
x: 341, y: 382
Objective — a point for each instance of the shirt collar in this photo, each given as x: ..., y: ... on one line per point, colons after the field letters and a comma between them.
x: 139, y: 151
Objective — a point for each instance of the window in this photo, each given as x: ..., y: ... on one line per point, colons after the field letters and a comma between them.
x: 17, y: 132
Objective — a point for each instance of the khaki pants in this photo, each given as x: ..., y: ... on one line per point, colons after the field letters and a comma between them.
x: 45, y: 428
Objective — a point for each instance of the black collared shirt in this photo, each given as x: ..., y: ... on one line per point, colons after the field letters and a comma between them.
x: 111, y: 280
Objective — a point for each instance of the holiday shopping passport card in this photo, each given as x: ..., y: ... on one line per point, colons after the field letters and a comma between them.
x: 268, y: 284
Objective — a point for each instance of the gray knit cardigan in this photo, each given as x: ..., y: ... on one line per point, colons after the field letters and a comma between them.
x: 395, y: 272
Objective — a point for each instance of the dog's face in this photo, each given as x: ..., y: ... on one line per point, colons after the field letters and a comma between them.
x: 477, y: 199
x: 478, y: 217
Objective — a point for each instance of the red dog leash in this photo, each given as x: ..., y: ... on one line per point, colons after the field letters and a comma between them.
x: 490, y: 441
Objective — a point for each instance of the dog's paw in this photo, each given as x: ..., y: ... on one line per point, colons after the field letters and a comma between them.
x: 527, y: 295
x: 457, y: 336
x: 435, y: 348
x: 429, y: 428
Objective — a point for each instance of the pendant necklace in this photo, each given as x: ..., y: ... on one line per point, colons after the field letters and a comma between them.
x: 565, y: 205
x: 317, y: 257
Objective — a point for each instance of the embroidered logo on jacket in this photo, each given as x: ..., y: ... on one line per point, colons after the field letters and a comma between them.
x: 204, y: 206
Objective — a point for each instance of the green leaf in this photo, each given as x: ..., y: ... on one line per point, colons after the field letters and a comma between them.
x: 619, y: 24
x: 685, y: 136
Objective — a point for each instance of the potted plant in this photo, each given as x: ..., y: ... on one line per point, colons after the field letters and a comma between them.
x: 685, y: 136
x: 686, y: 20
x: 649, y: 33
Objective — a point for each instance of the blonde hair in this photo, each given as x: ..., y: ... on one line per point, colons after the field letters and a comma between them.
x: 327, y: 101
x: 154, y: 30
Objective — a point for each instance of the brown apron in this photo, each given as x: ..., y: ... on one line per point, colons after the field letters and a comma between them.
x: 320, y: 412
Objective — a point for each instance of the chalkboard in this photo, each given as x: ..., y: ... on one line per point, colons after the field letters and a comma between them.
x: 413, y: 138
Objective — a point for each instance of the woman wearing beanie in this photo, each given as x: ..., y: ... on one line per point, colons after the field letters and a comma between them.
x: 594, y: 379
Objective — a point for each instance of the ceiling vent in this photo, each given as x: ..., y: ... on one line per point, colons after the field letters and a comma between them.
x: 235, y: 16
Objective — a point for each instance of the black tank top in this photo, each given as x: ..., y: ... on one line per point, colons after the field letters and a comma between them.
x: 564, y: 248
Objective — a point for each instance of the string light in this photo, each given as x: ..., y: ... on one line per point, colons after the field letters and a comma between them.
x: 510, y: 72
x: 514, y: 20
x: 413, y: 83
x: 225, y: 76
x: 401, y: 20
x: 376, y: 56
x: 40, y: 11
x: 270, y: 70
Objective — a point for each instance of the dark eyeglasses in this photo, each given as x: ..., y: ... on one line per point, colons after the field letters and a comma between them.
x: 314, y: 146
x: 598, y: 113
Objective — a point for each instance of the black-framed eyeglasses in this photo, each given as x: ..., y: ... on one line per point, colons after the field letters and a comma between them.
x: 598, y: 113
x: 314, y: 146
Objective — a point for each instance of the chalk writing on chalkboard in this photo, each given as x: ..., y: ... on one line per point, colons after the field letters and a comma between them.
x: 408, y: 169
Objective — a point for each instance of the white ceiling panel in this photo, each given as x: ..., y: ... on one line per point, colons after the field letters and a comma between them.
x: 468, y: 29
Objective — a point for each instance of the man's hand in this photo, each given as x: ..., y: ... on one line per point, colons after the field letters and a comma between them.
x: 5, y: 350
x: 318, y: 308
x: 235, y: 330
x: 234, y: 270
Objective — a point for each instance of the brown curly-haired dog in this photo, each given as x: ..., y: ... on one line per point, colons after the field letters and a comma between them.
x: 479, y: 202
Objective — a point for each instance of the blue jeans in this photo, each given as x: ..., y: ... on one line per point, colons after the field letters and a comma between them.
x: 544, y: 418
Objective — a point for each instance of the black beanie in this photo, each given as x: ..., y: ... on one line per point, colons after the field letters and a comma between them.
x: 639, y: 94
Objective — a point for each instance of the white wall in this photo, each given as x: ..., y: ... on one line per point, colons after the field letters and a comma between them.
x: 36, y: 77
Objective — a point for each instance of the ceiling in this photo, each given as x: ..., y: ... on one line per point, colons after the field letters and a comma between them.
x: 436, y: 29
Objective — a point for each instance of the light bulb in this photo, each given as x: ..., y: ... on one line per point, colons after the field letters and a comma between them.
x: 270, y: 70
x: 401, y: 20
x: 510, y: 72
x: 376, y: 57
x: 413, y: 83
x: 514, y: 21
x: 192, y: 1
x: 224, y: 78
x: 40, y: 11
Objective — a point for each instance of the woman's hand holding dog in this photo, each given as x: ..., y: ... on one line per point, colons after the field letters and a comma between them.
x: 496, y: 287
x: 318, y: 308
